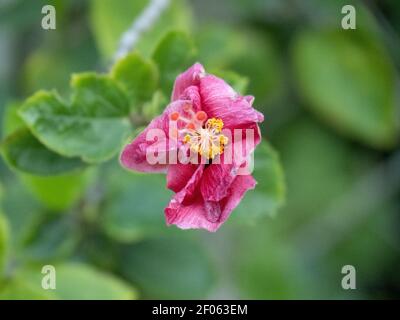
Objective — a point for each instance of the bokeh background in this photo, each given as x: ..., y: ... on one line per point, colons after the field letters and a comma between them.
x: 329, y: 193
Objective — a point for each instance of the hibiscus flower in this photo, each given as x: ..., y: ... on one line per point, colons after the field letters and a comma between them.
x: 201, y: 123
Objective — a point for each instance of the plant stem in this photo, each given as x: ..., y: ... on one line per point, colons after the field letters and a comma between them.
x: 144, y: 22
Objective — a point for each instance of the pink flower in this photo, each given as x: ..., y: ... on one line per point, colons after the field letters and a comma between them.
x: 203, y: 111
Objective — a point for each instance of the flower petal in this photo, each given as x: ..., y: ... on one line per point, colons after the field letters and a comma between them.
x: 192, y: 94
x: 189, y: 78
x: 219, y: 100
x: 216, y: 181
x: 200, y: 214
x: 178, y: 175
x: 192, y: 216
x: 236, y: 192
x: 133, y: 155
x: 217, y: 178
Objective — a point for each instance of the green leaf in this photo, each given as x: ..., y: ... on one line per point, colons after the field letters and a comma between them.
x: 269, y: 194
x: 11, y: 120
x: 137, y: 76
x: 78, y: 281
x: 315, y: 185
x: 23, y: 152
x: 348, y: 80
x: 166, y: 268
x: 155, y: 106
x: 58, y: 192
x: 111, y: 18
x: 93, y: 127
x: 262, y: 65
x: 53, y: 239
x: 74, y: 281
x: 131, y: 211
x: 4, y: 237
x: 21, y: 211
x: 98, y: 96
x: 20, y: 289
x: 173, y: 55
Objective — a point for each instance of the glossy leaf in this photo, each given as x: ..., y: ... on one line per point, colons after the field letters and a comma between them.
x: 348, y: 80
x: 137, y: 76
x: 11, y: 120
x: 58, y: 192
x: 25, y: 153
x: 222, y: 47
x: 74, y: 281
x: 128, y: 214
x: 269, y: 194
x: 53, y: 239
x: 22, y: 216
x: 82, y: 282
x: 99, y: 106
x: 173, y: 55
x: 21, y: 289
x: 155, y: 106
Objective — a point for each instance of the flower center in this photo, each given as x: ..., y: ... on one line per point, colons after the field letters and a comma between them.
x: 202, y: 135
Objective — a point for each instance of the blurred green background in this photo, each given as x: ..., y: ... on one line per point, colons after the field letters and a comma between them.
x: 328, y: 192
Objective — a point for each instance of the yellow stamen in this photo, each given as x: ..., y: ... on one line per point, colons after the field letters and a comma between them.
x: 215, y: 123
x: 208, y: 141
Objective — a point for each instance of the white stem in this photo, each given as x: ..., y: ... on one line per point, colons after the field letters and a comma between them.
x: 145, y: 20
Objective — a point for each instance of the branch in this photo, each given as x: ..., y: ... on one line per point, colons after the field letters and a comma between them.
x: 144, y: 22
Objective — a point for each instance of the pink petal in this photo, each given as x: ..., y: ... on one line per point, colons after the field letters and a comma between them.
x: 189, y: 78
x: 133, y: 155
x: 219, y: 100
x: 237, y: 191
x: 216, y: 181
x: 191, y: 216
x: 217, y: 178
x: 178, y: 175
x: 192, y: 94
x: 200, y: 214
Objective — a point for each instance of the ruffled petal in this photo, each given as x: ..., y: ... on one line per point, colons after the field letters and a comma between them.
x: 178, y: 175
x: 192, y: 95
x: 208, y: 215
x: 133, y: 155
x: 217, y: 178
x: 186, y: 209
x: 219, y: 100
x: 192, y: 216
x: 216, y: 181
x: 237, y: 191
x: 190, y: 77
